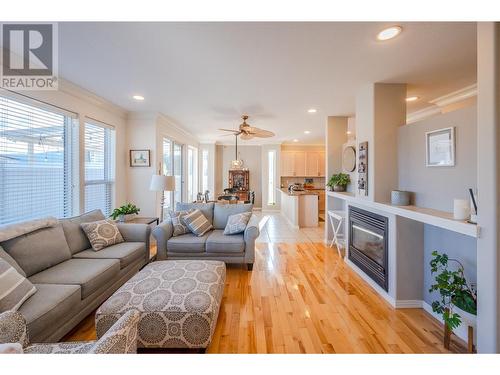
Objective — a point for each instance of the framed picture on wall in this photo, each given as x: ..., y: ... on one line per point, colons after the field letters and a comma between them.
x: 140, y: 158
x: 440, y: 148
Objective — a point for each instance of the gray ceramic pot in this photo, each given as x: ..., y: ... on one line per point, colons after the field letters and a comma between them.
x: 400, y: 198
x: 338, y: 188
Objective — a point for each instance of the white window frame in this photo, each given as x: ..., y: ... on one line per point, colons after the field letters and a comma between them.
x: 109, y: 164
x: 271, y: 173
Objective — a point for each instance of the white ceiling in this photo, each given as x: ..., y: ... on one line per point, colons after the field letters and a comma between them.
x: 205, y: 75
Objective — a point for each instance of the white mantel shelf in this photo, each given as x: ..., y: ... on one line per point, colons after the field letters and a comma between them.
x: 429, y: 216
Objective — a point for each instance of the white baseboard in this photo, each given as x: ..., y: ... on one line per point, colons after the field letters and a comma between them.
x: 409, y: 304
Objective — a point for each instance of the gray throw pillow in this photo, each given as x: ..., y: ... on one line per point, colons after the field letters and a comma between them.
x: 177, y: 218
x: 237, y: 223
x: 14, y: 288
x: 102, y: 233
x: 197, y: 223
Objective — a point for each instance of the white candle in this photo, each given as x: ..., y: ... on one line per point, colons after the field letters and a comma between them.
x: 461, y: 209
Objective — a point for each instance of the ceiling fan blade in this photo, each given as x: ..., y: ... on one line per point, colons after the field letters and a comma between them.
x: 261, y: 133
x: 246, y: 136
x: 230, y: 130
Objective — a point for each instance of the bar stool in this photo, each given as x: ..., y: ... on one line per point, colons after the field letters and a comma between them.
x: 336, y: 219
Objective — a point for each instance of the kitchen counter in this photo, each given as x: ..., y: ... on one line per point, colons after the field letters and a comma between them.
x: 300, y: 208
x: 298, y: 193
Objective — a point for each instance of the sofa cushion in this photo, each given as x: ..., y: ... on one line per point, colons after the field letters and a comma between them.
x: 187, y: 243
x: 125, y: 252
x: 206, y: 208
x: 14, y: 288
x: 50, y: 305
x: 76, y: 237
x: 90, y: 274
x: 223, y: 211
x: 218, y: 242
x: 11, y: 261
x: 39, y: 250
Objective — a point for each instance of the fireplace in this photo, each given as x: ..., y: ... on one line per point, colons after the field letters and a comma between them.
x: 368, y: 248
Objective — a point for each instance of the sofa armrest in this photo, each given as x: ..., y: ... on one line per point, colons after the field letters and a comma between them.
x: 251, y: 233
x: 136, y: 233
x: 13, y: 328
x: 162, y: 234
x: 124, y: 332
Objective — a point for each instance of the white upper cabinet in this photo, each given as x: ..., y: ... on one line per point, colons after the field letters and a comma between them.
x: 303, y: 163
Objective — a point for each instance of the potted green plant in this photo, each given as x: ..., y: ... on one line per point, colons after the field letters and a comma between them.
x: 458, y: 297
x: 339, y: 182
x: 120, y: 213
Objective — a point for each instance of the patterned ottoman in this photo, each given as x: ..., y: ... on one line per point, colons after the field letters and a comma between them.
x: 178, y: 300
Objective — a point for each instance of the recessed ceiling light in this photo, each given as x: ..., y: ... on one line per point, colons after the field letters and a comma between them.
x: 389, y: 33
x: 295, y: 140
x: 138, y: 97
x: 307, y: 132
x: 348, y: 132
x: 412, y: 98
x: 312, y: 110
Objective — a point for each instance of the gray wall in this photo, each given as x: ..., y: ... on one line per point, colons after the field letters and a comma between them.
x: 251, y: 156
x: 436, y: 187
x: 456, y: 245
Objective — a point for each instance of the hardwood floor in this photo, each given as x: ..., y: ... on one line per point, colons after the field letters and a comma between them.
x: 302, y: 298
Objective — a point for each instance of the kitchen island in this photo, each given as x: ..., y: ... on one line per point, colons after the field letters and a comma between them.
x: 300, y: 208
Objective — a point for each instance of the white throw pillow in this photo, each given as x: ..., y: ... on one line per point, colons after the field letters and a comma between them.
x: 237, y: 223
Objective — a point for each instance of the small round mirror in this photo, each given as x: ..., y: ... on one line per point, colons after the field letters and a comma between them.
x: 349, y: 159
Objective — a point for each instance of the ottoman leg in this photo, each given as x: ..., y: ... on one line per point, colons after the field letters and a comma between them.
x: 250, y: 266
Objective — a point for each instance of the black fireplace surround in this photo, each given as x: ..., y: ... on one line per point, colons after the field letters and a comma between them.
x: 368, y: 247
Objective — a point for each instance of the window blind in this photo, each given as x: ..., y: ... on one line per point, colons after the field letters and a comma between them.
x: 99, y: 167
x: 36, y: 161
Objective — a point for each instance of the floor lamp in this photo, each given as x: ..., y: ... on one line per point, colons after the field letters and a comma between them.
x: 162, y: 183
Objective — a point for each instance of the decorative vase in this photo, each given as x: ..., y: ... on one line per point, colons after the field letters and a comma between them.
x: 338, y: 188
x: 400, y: 198
x: 121, y: 218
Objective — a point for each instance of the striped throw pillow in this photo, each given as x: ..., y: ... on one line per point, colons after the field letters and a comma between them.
x: 14, y: 288
x: 197, y: 223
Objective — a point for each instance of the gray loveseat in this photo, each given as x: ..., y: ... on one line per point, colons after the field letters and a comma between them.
x: 71, y: 279
x: 214, y: 245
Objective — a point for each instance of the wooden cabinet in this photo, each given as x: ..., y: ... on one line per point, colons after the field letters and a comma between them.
x: 303, y: 164
x: 321, y: 201
x: 299, y: 163
x: 287, y: 163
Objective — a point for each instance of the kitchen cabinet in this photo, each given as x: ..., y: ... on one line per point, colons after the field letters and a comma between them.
x: 303, y: 164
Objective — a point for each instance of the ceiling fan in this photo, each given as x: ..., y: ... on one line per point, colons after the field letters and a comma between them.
x: 247, y: 132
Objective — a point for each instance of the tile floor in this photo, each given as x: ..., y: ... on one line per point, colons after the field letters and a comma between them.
x: 277, y: 229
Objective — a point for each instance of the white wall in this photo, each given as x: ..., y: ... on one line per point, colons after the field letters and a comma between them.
x: 146, y: 130
x: 436, y: 187
x: 251, y: 156
x: 86, y: 104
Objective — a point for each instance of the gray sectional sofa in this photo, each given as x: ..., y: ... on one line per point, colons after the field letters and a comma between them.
x: 71, y: 279
x: 214, y: 245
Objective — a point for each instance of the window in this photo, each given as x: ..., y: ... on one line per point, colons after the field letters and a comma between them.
x: 192, y: 173
x: 36, y: 160
x: 99, y: 167
x: 271, y: 192
x: 172, y: 166
x: 204, y: 170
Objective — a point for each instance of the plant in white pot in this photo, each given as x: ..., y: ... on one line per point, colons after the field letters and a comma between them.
x: 124, y: 212
x: 458, y: 297
x: 339, y: 182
